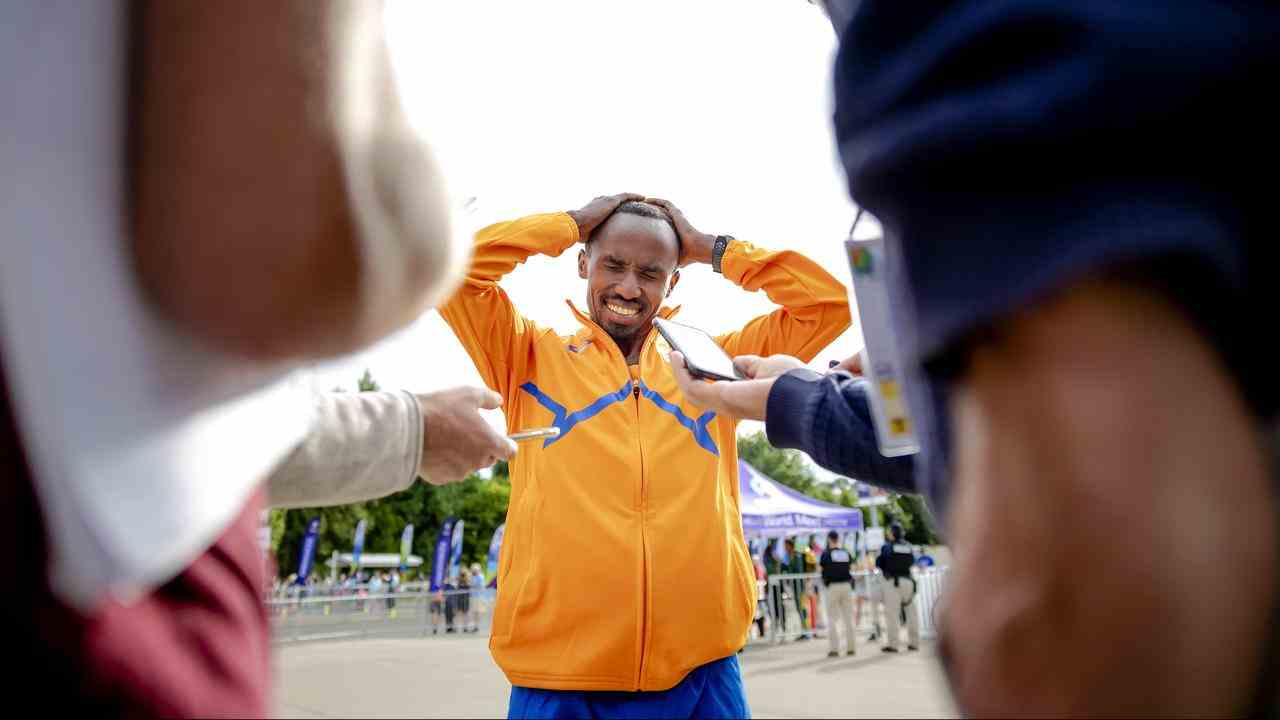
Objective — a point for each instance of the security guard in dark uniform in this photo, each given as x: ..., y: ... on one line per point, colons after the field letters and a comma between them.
x: 837, y: 579
x: 895, y: 562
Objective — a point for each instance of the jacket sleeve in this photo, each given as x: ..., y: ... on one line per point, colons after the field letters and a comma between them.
x: 828, y: 417
x: 496, y: 336
x: 361, y: 446
x: 815, y: 306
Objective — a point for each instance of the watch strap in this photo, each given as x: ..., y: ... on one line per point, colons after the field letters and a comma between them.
x: 717, y: 252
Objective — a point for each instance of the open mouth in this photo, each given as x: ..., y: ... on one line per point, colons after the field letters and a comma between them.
x: 622, y: 310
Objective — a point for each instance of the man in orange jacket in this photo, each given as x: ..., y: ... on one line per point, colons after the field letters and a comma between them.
x: 642, y: 486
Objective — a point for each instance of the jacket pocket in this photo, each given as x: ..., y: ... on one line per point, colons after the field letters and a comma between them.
x: 746, y: 580
x: 519, y: 540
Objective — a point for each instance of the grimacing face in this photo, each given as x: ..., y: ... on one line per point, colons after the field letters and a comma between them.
x: 630, y: 267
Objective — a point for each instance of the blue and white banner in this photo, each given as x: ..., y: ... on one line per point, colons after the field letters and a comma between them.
x: 307, y: 557
x: 455, y: 545
x: 357, y: 547
x: 406, y: 544
x: 440, y: 561
x: 495, y: 549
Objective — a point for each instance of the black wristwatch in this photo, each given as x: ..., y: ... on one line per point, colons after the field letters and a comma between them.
x: 717, y: 252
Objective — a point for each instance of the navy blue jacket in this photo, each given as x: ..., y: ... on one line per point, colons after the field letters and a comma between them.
x: 828, y: 417
x: 1013, y: 147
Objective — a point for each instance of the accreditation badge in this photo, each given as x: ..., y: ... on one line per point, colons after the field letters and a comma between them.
x: 881, y: 365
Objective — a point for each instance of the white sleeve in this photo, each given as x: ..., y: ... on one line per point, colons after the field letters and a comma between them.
x: 361, y: 446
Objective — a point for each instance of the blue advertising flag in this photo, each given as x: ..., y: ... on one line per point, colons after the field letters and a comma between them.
x: 455, y: 552
x: 406, y: 544
x: 441, y: 558
x: 495, y: 547
x: 308, y: 550
x: 357, y: 547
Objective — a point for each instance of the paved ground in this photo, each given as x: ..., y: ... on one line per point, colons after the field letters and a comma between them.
x: 455, y: 677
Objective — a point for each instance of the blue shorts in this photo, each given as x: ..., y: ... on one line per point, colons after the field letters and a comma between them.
x: 713, y: 690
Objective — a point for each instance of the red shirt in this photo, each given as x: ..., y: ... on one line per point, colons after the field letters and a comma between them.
x: 197, y: 646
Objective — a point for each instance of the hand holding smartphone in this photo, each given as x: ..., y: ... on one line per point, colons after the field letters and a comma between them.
x: 702, y: 356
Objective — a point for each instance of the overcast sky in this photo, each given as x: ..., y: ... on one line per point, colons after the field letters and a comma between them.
x: 721, y: 106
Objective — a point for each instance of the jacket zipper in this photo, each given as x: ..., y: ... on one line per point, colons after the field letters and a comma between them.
x: 644, y: 535
x: 644, y: 539
x: 644, y: 543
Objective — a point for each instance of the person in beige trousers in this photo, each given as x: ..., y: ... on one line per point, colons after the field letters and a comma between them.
x: 835, y: 563
x: 895, y: 562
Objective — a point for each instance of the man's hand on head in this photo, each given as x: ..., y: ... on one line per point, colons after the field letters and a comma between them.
x: 597, y: 211
x: 457, y: 440
x: 695, y: 246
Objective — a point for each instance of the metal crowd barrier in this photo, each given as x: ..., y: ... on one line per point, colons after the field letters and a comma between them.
x: 794, y: 605
x: 788, y: 606
x: 356, y: 614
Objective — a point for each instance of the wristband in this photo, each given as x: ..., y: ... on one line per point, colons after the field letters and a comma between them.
x: 717, y: 252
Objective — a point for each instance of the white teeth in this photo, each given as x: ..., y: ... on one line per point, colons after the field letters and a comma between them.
x: 621, y: 310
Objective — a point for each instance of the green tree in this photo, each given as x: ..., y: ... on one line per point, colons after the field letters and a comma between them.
x: 917, y: 521
x: 786, y: 466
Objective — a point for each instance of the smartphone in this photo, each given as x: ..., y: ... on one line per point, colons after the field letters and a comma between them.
x: 535, y: 434
x: 704, y: 358
x: 868, y: 264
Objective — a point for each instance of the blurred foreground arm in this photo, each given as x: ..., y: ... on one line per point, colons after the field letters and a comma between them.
x: 1095, y: 426
x: 826, y: 416
x: 282, y: 206
x: 371, y: 444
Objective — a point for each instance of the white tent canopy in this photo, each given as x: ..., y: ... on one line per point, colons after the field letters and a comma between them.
x: 379, y: 560
x: 771, y: 509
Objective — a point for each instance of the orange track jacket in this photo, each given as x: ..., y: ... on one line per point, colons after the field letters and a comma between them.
x: 623, y: 566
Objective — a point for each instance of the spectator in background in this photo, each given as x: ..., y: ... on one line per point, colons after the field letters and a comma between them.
x: 761, y: 595
x: 464, y: 598
x: 773, y: 566
x: 477, y: 588
x: 813, y: 587
x: 450, y: 602
x: 837, y: 578
x: 899, y: 588
x: 797, y: 586
x: 375, y: 590
x: 437, y: 609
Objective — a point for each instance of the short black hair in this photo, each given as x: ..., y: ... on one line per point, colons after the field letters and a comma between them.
x: 833, y: 535
x: 643, y: 209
